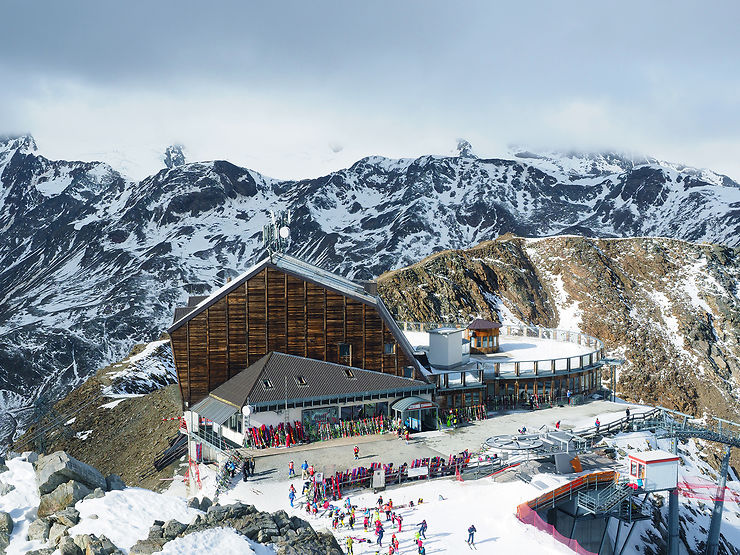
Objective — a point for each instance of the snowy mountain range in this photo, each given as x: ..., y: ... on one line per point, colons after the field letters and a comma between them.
x: 92, y: 262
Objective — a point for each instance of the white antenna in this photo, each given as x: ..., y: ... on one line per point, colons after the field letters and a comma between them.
x: 276, y: 234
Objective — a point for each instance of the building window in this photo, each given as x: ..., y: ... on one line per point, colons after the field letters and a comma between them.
x: 301, y: 381
x: 408, y: 371
x: 350, y: 375
x: 389, y: 349
x: 267, y: 384
x: 235, y: 423
x: 345, y: 350
x: 477, y: 344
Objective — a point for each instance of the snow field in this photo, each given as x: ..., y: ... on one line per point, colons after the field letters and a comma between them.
x: 21, y: 504
x: 223, y: 541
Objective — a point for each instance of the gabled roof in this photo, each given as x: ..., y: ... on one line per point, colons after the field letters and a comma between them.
x: 283, y: 263
x: 483, y: 324
x: 305, y: 271
x: 264, y: 382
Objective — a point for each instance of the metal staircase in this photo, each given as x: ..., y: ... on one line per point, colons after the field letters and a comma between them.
x: 601, y: 501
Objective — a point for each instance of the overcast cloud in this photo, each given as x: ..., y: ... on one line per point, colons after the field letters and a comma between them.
x: 297, y: 89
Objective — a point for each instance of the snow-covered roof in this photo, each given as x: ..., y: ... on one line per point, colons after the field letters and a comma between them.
x: 653, y: 456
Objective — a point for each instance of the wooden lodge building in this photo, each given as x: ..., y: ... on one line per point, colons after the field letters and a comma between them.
x: 285, y: 307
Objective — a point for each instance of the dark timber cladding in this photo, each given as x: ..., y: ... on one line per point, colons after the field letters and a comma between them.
x: 273, y: 308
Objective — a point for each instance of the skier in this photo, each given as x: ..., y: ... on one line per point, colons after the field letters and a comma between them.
x: 291, y: 469
x: 407, y: 437
x: 597, y: 424
x: 304, y: 470
x: 471, y: 533
x: 251, y: 466
x: 291, y: 496
x: 380, y: 532
x: 627, y: 411
x: 394, y: 539
x: 419, y: 544
x: 567, y: 393
x: 400, y: 521
x: 557, y: 425
x: 423, y: 529
x: 245, y: 470
x: 350, y: 541
x: 365, y: 522
x: 357, y: 452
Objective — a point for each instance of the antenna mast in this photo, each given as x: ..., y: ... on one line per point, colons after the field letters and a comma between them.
x: 276, y: 233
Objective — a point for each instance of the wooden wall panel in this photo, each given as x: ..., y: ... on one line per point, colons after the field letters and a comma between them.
x: 296, y: 317
x: 237, y: 324
x: 334, y: 325
x: 179, y: 341
x: 373, y: 341
x: 389, y: 361
x: 355, y: 332
x: 217, y: 345
x: 276, y: 315
x: 315, y: 324
x: 257, y: 322
x: 198, y: 343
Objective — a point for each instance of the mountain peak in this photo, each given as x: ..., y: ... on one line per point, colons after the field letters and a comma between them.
x: 174, y: 156
x: 465, y: 149
x: 24, y: 143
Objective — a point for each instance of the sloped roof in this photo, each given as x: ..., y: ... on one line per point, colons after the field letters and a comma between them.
x: 483, y: 324
x: 214, y: 410
x: 322, y: 380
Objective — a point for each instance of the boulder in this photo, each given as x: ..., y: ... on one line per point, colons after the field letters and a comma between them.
x: 69, y: 517
x: 216, y: 514
x: 56, y: 532
x: 205, y: 503
x: 114, y: 482
x: 147, y: 547
x: 67, y: 546
x: 42, y: 551
x: 3, y: 466
x: 156, y: 532
x: 30, y: 456
x: 92, y: 545
x: 63, y: 496
x: 58, y: 468
x: 6, y: 523
x: 39, y: 530
x: 173, y: 528
x: 97, y: 493
x: 194, y: 503
x: 5, y: 488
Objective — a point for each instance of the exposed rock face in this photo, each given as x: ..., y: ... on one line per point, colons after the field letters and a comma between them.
x: 58, y: 468
x: 669, y: 307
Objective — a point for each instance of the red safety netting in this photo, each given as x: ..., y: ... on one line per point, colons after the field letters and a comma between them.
x: 529, y: 516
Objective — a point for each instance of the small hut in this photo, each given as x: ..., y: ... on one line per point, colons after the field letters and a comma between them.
x: 483, y: 336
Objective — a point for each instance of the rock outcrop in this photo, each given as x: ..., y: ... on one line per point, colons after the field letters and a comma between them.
x: 56, y: 469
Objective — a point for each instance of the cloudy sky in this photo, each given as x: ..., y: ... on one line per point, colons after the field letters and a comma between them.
x: 297, y: 89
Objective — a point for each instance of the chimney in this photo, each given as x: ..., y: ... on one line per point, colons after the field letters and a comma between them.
x: 370, y: 286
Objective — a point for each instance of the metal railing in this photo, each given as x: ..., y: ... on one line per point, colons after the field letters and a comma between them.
x: 534, y: 367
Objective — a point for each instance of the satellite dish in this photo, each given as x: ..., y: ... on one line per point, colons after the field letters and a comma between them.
x: 246, y: 410
x: 284, y: 232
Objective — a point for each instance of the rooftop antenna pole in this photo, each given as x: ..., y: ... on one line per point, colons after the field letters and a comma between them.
x: 276, y: 233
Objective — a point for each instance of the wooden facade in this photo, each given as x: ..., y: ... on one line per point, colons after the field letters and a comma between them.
x: 277, y: 311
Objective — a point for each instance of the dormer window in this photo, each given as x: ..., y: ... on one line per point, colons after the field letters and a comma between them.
x: 267, y: 384
x: 301, y: 381
x: 350, y: 375
x: 389, y: 349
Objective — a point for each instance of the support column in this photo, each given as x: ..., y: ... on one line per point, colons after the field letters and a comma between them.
x: 673, y: 522
x: 713, y: 539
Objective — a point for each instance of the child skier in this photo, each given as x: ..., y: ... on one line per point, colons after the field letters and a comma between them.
x: 357, y: 452
x: 350, y: 541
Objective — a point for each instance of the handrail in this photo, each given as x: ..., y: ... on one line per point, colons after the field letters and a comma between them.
x: 574, y: 486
